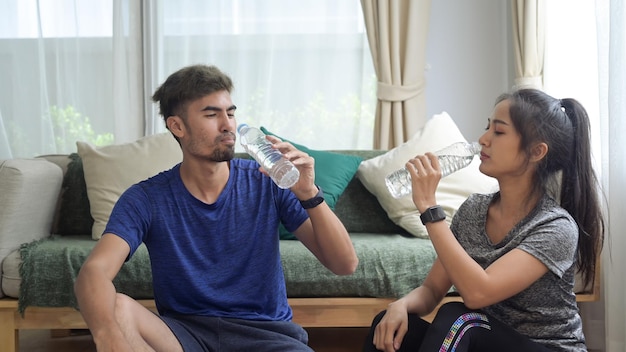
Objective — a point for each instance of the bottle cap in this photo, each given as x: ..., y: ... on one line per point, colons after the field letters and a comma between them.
x: 241, y: 126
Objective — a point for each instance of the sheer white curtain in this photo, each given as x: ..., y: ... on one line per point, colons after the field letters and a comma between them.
x: 127, y: 78
x: 59, y: 80
x: 85, y: 69
x: 585, y: 56
x: 302, y: 68
x: 5, y: 149
x: 612, y: 49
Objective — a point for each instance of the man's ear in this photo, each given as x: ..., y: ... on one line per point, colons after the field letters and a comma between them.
x: 538, y: 152
x: 175, y: 125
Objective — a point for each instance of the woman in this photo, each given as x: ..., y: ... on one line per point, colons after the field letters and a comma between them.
x: 511, y: 255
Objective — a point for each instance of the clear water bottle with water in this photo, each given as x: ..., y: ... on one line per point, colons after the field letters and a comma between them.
x: 282, y: 171
x: 451, y: 159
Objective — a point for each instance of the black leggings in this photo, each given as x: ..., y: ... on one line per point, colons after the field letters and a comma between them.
x: 457, y: 328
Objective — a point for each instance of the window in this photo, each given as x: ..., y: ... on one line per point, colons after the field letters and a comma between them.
x: 302, y: 69
x: 86, y: 69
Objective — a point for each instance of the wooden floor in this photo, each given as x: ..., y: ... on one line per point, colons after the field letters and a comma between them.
x: 320, y: 340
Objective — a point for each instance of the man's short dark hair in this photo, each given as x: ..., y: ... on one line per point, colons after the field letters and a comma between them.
x: 188, y: 84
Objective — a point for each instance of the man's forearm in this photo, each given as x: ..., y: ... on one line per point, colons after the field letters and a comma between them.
x: 96, y: 301
x: 333, y: 240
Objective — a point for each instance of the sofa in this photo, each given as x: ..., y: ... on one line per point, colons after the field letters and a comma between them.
x: 49, y: 225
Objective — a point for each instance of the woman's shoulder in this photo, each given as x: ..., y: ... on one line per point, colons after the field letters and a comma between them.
x: 549, y: 208
x: 476, y: 204
x: 479, y: 198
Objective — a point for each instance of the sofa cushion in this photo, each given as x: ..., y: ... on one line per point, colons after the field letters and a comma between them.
x: 74, y: 217
x: 359, y: 210
x: 110, y: 170
x: 333, y: 172
x: 30, y: 190
x: 438, y: 132
x: 11, y: 274
x: 49, y: 267
x: 390, y: 265
x: 356, y: 207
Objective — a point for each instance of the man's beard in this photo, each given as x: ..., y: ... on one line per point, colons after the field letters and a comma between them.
x: 225, y: 154
x: 220, y: 155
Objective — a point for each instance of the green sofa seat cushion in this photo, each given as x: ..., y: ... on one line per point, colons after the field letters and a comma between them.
x: 390, y: 265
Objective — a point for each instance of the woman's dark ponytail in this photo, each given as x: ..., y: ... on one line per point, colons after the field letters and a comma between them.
x: 564, y: 126
x: 580, y: 192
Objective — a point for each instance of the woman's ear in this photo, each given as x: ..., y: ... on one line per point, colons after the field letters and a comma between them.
x: 538, y: 152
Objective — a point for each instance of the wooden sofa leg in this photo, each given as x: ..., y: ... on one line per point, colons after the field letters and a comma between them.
x: 8, y: 334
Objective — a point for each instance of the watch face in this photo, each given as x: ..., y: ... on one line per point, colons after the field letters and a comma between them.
x: 433, y: 214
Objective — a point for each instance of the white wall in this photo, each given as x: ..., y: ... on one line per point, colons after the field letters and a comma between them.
x: 470, y: 60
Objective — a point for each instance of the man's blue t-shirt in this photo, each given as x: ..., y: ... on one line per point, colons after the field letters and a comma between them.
x: 218, y: 259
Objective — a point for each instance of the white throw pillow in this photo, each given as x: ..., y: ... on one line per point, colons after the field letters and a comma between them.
x: 110, y: 170
x: 438, y: 132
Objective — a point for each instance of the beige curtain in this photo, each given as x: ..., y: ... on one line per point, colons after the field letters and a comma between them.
x: 528, y: 41
x: 397, y: 31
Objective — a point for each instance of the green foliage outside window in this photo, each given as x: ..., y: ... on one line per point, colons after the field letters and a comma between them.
x: 71, y: 126
x: 59, y: 130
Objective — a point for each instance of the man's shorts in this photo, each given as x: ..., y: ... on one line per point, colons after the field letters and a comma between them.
x: 199, y: 333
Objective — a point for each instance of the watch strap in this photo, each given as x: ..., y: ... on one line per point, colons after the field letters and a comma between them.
x: 433, y: 214
x: 315, y: 201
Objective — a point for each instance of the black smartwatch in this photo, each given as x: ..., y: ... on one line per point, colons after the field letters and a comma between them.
x: 315, y: 201
x: 433, y: 214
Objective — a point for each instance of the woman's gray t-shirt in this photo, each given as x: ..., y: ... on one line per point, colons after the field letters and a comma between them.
x: 546, y: 311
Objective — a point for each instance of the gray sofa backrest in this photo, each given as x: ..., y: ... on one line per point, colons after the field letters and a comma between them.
x: 357, y: 208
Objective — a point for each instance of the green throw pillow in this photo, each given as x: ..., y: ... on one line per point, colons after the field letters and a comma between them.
x: 333, y: 172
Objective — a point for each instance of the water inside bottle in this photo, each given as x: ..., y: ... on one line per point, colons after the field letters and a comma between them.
x: 285, y: 175
x: 264, y: 153
x: 282, y: 171
x: 399, y: 182
x: 452, y: 163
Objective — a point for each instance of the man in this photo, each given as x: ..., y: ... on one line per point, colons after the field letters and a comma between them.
x: 210, y: 226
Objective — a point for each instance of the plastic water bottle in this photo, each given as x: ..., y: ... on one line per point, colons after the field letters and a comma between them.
x: 451, y: 159
x: 282, y: 171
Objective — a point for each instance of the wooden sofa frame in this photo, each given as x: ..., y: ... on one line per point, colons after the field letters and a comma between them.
x: 335, y: 312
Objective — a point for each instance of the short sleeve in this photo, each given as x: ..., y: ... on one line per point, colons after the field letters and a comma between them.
x: 553, y: 242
